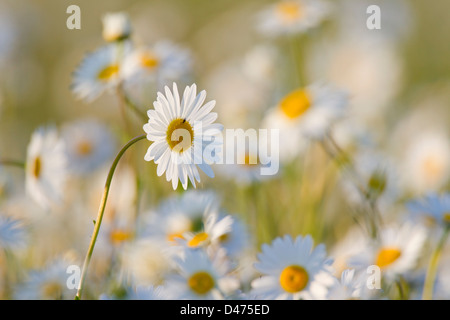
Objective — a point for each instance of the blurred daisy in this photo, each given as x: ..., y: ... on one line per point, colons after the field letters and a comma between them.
x: 397, y: 251
x: 292, y: 269
x: 349, y: 287
x: 292, y: 17
x: 180, y: 131
x: 89, y: 145
x: 116, y: 26
x: 46, y: 167
x: 198, y: 278
x: 309, y: 112
x: 146, y: 261
x: 49, y: 283
x: 182, y: 214
x: 216, y: 228
x: 377, y: 175
x: 99, y: 71
x: 160, y: 63
x: 236, y: 241
x: 426, y: 162
x: 434, y: 208
x: 12, y: 233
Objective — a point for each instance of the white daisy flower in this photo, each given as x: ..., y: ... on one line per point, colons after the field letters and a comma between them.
x: 116, y: 26
x: 89, y: 145
x: 292, y: 269
x: 163, y: 62
x: 288, y: 17
x: 99, y: 71
x: 49, y: 283
x: 349, y: 287
x: 308, y: 112
x: 182, y: 214
x: 180, y: 131
x: 216, y: 227
x: 426, y: 162
x: 434, y: 208
x: 12, y: 233
x: 199, y: 278
x: 396, y: 252
x: 46, y: 167
x: 146, y: 261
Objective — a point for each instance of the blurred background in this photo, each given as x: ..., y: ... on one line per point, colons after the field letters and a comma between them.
x: 398, y: 79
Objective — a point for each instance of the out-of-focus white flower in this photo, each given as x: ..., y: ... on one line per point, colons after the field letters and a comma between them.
x: 99, y: 71
x: 46, y: 167
x: 397, y: 252
x: 149, y: 293
x: 48, y: 283
x: 180, y: 131
x: 293, y: 269
x: 426, y: 162
x: 145, y: 261
x: 116, y: 26
x: 89, y: 145
x: 288, y: 17
x: 307, y: 112
x: 162, y: 63
x: 348, y: 288
x: 199, y: 278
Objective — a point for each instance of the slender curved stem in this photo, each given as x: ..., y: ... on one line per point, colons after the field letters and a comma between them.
x: 433, y: 266
x: 14, y: 163
x: 101, y: 210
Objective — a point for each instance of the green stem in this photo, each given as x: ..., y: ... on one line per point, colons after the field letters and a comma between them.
x: 101, y: 210
x: 433, y: 267
x: 14, y: 163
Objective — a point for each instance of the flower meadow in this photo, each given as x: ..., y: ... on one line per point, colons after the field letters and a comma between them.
x: 220, y: 150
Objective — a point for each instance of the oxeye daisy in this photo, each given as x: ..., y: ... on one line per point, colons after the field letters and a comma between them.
x: 216, y: 228
x: 291, y: 17
x: 292, y: 269
x: 182, y: 214
x: 116, y: 26
x: 180, y: 132
x: 99, y: 71
x: 396, y: 252
x: 163, y: 62
x: 48, y: 283
x: 89, y: 145
x: 349, y: 287
x: 199, y: 278
x: 46, y: 167
x: 434, y: 208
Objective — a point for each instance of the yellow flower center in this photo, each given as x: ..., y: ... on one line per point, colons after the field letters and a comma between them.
x: 118, y: 236
x: 201, y: 282
x: 52, y: 290
x: 180, y: 135
x: 36, y: 167
x: 377, y: 182
x: 289, y: 11
x: 294, y: 279
x: 198, y: 239
x: 176, y: 235
x: 250, y: 160
x: 447, y: 217
x: 108, y: 72
x: 224, y: 238
x: 387, y: 256
x: 84, y: 148
x: 149, y: 60
x: 296, y: 103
